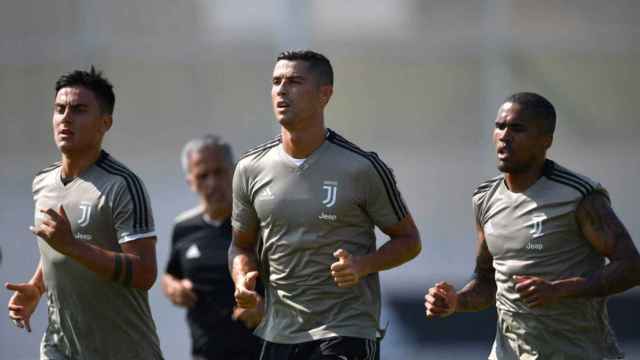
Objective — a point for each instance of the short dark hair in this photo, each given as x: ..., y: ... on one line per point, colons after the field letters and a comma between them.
x: 94, y: 81
x: 318, y: 63
x: 537, y: 107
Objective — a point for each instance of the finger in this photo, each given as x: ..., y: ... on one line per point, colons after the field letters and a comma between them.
x: 524, y: 285
x: 52, y: 214
x: 339, y: 266
x: 27, y: 324
x: 521, y: 278
x: 250, y: 280
x: 346, y: 284
x: 63, y: 213
x: 16, y: 308
x: 344, y: 278
x: 342, y: 254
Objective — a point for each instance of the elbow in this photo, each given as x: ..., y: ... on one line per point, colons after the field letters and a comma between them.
x: 415, y: 247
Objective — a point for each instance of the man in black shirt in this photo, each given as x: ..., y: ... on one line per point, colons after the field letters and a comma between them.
x: 197, y: 276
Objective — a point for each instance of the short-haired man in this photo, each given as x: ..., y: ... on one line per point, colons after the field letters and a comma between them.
x: 313, y: 199
x: 544, y: 235
x: 96, y: 237
x: 197, y: 275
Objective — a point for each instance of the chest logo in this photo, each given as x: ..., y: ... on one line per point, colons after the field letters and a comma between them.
x: 331, y: 188
x: 536, y: 230
x: 193, y: 252
x: 86, y: 213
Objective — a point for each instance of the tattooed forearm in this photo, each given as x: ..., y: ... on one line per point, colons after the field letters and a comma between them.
x: 480, y: 292
x: 123, y: 270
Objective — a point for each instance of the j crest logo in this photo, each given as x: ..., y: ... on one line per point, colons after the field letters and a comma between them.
x: 331, y: 188
x: 536, y: 232
x: 86, y: 213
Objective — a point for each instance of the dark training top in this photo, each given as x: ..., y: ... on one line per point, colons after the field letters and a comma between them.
x: 199, y: 253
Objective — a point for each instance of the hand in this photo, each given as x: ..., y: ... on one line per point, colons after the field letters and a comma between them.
x: 23, y: 303
x: 249, y: 317
x: 440, y: 301
x: 56, y: 230
x: 245, y: 294
x: 535, y: 291
x: 346, y: 272
x: 181, y: 293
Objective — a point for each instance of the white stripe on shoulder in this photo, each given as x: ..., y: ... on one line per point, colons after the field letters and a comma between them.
x: 133, y: 237
x: 189, y: 214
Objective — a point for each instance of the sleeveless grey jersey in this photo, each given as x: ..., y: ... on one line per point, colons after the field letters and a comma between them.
x: 303, y: 215
x: 89, y: 317
x: 536, y: 233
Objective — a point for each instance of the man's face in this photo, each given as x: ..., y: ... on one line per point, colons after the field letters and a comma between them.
x: 78, y: 123
x: 210, y: 177
x: 295, y: 94
x: 520, y: 142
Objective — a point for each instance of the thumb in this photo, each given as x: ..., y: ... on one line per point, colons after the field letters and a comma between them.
x: 342, y: 254
x: 250, y: 280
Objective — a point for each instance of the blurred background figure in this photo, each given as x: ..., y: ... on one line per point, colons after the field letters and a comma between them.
x: 197, y: 277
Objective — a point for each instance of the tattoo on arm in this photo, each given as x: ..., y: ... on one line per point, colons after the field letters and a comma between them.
x: 128, y: 271
x: 610, y: 238
x: 480, y: 292
x: 123, y: 270
x: 117, y: 268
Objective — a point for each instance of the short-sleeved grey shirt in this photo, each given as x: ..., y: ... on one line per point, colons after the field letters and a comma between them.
x: 89, y: 317
x: 536, y: 233
x: 303, y: 214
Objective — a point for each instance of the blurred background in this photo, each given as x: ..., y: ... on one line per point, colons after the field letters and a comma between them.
x: 417, y: 81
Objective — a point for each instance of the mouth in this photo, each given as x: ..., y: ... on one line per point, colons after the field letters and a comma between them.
x: 503, y: 152
x: 65, y: 133
x: 282, y: 105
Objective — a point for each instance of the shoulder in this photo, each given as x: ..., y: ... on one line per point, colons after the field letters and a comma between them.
x: 357, y: 157
x: 259, y: 151
x: 188, y: 216
x: 118, y: 172
x: 572, y: 180
x: 45, y: 173
x: 486, y: 187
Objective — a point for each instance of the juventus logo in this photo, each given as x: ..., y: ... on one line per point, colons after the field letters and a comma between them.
x: 331, y: 188
x: 86, y: 213
x: 537, y: 219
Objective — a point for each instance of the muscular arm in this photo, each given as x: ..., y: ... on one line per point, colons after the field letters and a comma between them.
x: 403, y: 245
x: 479, y: 293
x: 602, y: 228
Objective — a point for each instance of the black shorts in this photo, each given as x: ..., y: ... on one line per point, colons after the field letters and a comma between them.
x: 335, y: 348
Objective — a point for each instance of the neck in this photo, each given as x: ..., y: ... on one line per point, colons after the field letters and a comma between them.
x: 217, y: 213
x: 300, y: 143
x: 74, y: 164
x: 520, y: 182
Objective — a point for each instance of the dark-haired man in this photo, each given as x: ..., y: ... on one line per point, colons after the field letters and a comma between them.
x: 96, y: 237
x: 197, y: 277
x: 313, y: 199
x: 544, y: 235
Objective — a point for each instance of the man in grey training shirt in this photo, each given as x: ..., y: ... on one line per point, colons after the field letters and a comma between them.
x: 96, y: 237
x: 309, y: 201
x: 544, y: 235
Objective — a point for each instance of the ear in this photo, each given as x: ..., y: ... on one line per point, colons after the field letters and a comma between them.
x: 325, y: 94
x: 548, y: 141
x: 189, y: 179
x: 107, y: 121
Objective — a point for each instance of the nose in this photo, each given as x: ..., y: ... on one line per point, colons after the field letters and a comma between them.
x: 504, y: 135
x: 281, y: 89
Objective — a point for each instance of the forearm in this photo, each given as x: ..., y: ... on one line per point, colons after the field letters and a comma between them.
x: 615, y: 277
x: 130, y: 270
x: 393, y: 253
x: 241, y: 261
x: 477, y: 295
x: 37, y: 279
